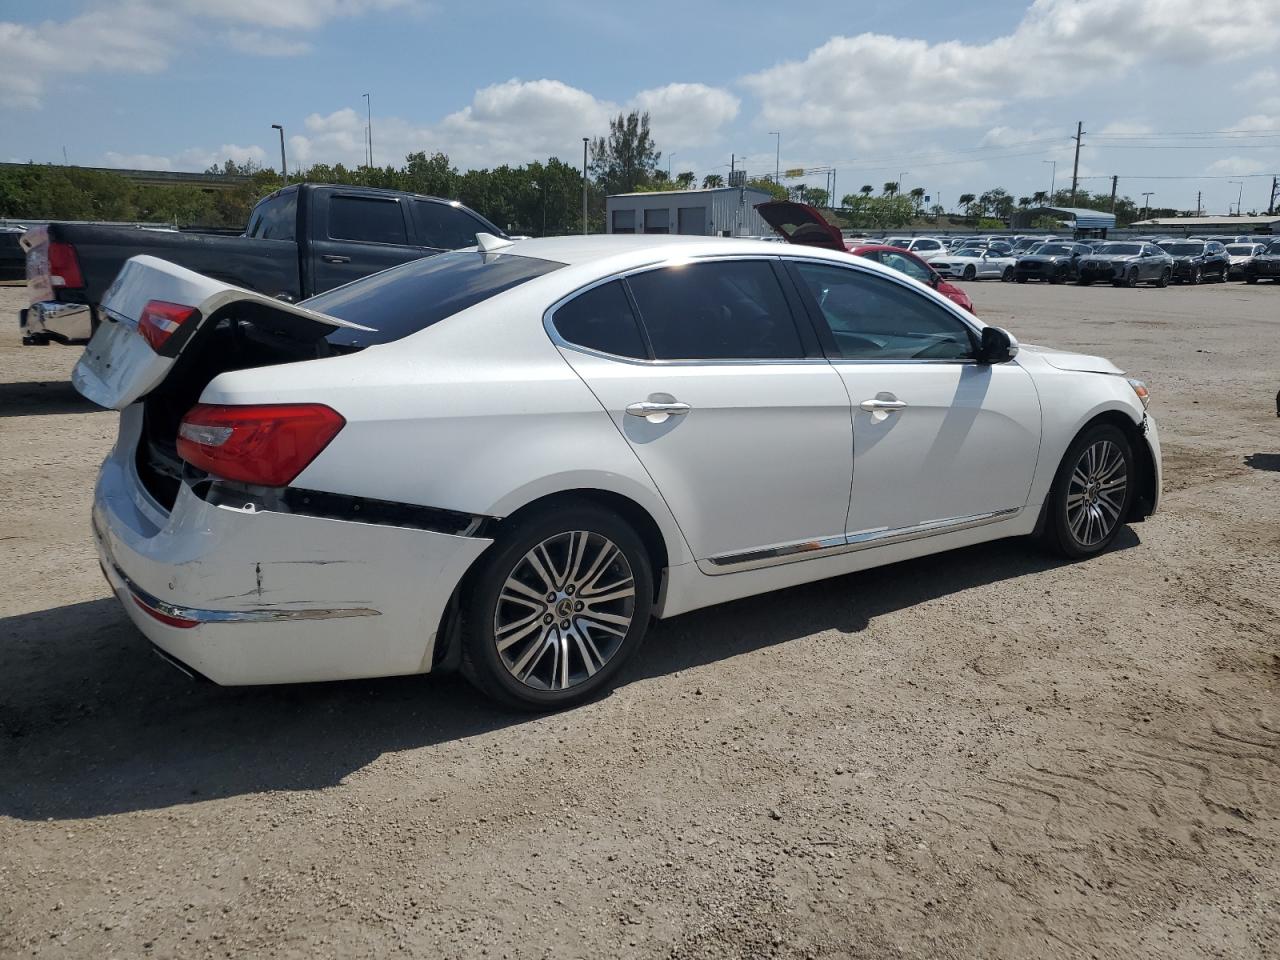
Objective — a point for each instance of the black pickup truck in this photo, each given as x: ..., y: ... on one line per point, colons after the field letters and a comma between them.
x: 300, y: 241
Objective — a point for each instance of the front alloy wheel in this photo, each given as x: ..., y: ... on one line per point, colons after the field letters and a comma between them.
x: 557, y: 608
x: 1092, y: 493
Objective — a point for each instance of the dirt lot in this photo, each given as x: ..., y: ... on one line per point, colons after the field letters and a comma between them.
x: 989, y: 753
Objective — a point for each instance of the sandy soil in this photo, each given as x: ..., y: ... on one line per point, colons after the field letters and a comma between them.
x: 989, y: 753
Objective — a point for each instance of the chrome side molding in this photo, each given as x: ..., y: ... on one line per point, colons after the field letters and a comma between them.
x: 848, y: 543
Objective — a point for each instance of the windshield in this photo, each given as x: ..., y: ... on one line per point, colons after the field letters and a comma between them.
x: 969, y: 252
x: 417, y: 294
x: 1053, y: 250
x: 1242, y: 249
x: 898, y: 242
x: 1275, y: 247
x: 1182, y: 249
x: 1121, y: 249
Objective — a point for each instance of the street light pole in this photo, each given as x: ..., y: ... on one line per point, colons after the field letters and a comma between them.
x: 284, y: 173
x: 368, y: 105
x: 1053, y: 178
x: 584, y: 184
x: 777, y: 157
x: 1239, y: 196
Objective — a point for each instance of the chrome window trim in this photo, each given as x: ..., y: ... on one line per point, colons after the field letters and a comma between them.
x: 548, y: 317
x: 851, y: 542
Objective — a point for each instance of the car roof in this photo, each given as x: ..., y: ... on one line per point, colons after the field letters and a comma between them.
x: 639, y: 249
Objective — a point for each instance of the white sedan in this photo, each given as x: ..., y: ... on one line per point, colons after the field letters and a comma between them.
x: 974, y: 263
x: 512, y: 458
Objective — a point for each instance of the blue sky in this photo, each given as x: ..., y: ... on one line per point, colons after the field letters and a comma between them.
x: 959, y: 97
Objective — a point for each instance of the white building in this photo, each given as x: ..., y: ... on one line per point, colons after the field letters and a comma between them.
x: 718, y: 212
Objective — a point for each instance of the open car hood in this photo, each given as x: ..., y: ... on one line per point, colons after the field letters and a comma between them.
x: 802, y: 224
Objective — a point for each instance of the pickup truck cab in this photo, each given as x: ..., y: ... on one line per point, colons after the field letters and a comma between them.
x: 300, y: 241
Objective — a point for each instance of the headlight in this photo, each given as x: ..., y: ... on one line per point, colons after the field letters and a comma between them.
x: 1140, y: 389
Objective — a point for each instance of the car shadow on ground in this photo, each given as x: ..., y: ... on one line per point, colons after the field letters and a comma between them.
x: 1263, y: 461
x: 37, y: 398
x: 92, y: 724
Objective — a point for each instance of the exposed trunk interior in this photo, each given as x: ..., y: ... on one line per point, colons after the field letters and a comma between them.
x: 248, y: 339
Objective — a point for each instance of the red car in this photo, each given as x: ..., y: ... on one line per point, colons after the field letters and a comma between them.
x: 802, y: 224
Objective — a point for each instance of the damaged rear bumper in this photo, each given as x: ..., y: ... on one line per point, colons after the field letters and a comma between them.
x: 252, y: 596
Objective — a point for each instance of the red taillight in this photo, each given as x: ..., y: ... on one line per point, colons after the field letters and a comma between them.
x: 265, y: 445
x: 64, y: 266
x: 168, y: 619
x: 161, y: 319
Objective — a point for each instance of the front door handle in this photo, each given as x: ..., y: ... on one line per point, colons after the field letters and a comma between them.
x: 888, y: 406
x: 657, y: 411
x: 335, y: 258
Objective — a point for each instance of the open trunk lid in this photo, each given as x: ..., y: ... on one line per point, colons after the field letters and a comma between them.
x: 802, y: 224
x: 120, y: 365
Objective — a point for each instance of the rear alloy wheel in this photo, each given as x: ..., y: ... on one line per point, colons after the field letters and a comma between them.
x: 1007, y: 276
x: 1092, y: 492
x: 561, y: 604
x: 1164, y: 278
x: 969, y: 272
x: 1196, y: 276
x: 1131, y: 278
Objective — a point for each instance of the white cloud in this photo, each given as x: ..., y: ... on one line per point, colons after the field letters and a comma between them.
x: 1235, y: 165
x: 686, y: 114
x: 194, y: 158
x: 1264, y: 79
x: 136, y: 161
x: 145, y: 36
x: 860, y: 90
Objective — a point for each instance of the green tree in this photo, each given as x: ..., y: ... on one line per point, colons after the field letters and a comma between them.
x: 891, y: 188
x: 917, y: 197
x: 818, y: 196
x: 711, y: 181
x: 967, y: 201
x: 867, y: 190
x: 686, y: 179
x: 627, y: 158
x: 766, y: 184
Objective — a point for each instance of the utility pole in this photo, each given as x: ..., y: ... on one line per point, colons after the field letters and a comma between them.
x: 1198, y: 203
x: 777, y: 157
x: 368, y: 105
x: 1114, y: 180
x: 584, y: 186
x: 284, y: 173
x: 1146, y: 202
x: 1275, y: 183
x: 1075, y: 167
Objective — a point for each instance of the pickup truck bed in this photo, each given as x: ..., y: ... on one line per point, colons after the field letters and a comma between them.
x: 300, y: 241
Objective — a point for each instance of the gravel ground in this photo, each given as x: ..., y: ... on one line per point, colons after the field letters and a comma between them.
x: 989, y: 753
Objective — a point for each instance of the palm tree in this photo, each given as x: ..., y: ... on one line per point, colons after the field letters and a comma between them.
x: 917, y: 197
x: 1040, y: 197
x: 867, y: 190
x: 891, y: 188
x: 966, y: 201
x: 1024, y: 202
x: 711, y: 181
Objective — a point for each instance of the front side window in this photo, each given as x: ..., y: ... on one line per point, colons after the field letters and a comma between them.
x: 721, y: 310
x: 912, y: 268
x: 445, y: 226
x: 602, y: 319
x: 367, y: 220
x: 873, y: 318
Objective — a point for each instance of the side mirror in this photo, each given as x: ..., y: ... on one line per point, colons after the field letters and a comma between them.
x: 934, y: 280
x: 998, y: 346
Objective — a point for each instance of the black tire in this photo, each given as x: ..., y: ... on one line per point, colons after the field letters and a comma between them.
x: 1083, y: 282
x: 1163, y: 281
x: 1250, y: 279
x: 1131, y: 278
x: 481, y: 661
x: 1056, y: 278
x: 1058, y: 532
x: 1021, y: 279
x: 969, y: 272
x: 1195, y: 276
x: 1007, y: 276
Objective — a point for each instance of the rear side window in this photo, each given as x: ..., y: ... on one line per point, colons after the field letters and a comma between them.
x: 602, y: 319
x: 274, y: 218
x: 417, y: 294
x: 366, y: 219
x: 723, y: 310
x: 447, y: 227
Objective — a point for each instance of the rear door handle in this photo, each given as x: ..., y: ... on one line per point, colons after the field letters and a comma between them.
x: 657, y: 411
x: 886, y: 405
x: 335, y: 258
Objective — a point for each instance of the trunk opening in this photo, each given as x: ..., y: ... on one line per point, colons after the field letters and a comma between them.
x: 231, y: 343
